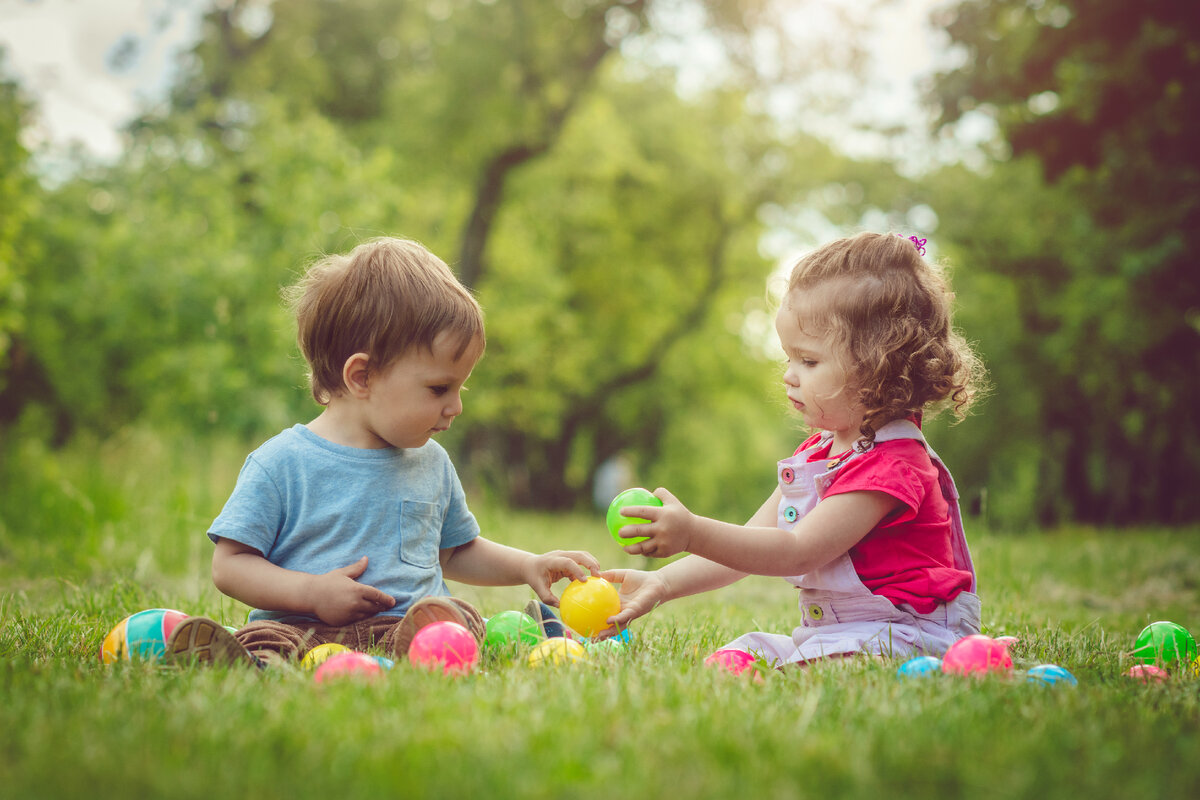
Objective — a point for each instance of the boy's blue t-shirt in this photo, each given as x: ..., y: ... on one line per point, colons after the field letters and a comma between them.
x: 312, y: 506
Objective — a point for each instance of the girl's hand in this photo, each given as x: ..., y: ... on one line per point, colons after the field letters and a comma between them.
x: 541, y: 572
x: 641, y: 593
x: 339, y: 599
x: 668, y: 532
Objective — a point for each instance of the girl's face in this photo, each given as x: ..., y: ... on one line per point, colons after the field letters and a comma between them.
x: 817, y: 385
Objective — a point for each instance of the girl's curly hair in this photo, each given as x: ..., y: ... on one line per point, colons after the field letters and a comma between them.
x: 887, y: 312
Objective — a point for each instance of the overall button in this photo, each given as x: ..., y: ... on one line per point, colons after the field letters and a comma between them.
x: 816, y: 612
x: 791, y: 514
x: 787, y: 475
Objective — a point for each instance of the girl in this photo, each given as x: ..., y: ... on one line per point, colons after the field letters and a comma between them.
x: 865, y: 519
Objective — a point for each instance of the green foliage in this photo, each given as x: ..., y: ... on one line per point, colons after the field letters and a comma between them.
x: 134, y: 505
x: 618, y: 233
x: 1096, y: 266
x: 609, y: 226
x: 601, y: 328
x: 19, y: 197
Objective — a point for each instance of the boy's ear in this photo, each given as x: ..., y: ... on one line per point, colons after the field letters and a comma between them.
x: 355, y: 374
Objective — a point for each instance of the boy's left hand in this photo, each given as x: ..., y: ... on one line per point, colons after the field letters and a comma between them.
x: 543, y: 571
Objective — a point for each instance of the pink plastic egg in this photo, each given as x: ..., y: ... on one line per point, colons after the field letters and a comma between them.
x: 348, y: 664
x: 735, y: 661
x: 447, y: 645
x: 1147, y: 673
x: 977, y: 655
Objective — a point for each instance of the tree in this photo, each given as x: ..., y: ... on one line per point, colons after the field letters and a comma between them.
x: 1103, y: 96
x: 19, y: 198
x: 157, y: 297
x: 604, y: 220
x: 609, y: 224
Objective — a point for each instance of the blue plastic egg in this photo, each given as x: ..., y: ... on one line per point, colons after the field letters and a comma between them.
x: 920, y: 667
x: 1051, y: 675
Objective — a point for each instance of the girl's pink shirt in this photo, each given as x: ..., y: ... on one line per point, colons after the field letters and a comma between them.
x: 907, y: 558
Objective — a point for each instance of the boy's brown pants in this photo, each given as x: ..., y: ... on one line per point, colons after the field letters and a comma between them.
x: 292, y: 637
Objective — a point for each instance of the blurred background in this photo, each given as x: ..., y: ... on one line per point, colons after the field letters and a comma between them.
x: 623, y: 183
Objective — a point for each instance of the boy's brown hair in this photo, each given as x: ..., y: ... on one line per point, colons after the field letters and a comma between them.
x: 383, y: 298
x: 888, y: 313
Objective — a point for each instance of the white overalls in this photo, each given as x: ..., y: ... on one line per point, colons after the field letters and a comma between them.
x: 840, y: 614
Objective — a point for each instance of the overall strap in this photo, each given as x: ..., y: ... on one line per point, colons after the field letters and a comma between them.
x: 900, y: 429
x: 907, y: 429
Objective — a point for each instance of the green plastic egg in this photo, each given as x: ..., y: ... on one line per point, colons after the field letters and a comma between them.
x: 1164, y: 643
x: 510, y: 629
x: 629, y: 497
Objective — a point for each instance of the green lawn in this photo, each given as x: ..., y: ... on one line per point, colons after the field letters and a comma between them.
x: 100, y: 541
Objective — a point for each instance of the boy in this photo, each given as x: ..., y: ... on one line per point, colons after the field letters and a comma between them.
x: 342, y: 530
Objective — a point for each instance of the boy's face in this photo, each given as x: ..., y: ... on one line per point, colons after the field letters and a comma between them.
x: 418, y: 394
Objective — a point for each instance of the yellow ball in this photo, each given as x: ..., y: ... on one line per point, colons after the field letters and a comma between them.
x: 319, y: 654
x: 586, y: 606
x: 557, y: 651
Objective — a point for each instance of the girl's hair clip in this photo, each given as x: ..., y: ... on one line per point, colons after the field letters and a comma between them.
x: 918, y: 243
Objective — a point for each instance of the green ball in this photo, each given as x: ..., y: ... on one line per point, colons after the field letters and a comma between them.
x: 1163, y: 643
x: 611, y: 647
x: 629, y: 497
x: 511, y: 628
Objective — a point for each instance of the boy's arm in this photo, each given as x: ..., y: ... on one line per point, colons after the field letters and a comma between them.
x: 335, y: 597
x: 483, y: 562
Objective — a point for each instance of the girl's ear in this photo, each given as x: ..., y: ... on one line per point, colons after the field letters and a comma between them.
x: 356, y: 374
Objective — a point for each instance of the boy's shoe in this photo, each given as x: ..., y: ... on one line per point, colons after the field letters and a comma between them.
x: 547, y: 621
x: 204, y: 641
x: 429, y: 610
x: 475, y: 621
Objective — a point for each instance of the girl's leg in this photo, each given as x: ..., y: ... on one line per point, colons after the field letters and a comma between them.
x: 776, y: 648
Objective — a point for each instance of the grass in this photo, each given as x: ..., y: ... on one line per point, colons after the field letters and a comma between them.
x: 92, y: 534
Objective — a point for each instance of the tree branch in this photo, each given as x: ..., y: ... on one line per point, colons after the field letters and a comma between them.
x: 490, y: 189
x: 588, y: 407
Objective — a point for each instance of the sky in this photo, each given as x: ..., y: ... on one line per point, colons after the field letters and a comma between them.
x: 62, y: 51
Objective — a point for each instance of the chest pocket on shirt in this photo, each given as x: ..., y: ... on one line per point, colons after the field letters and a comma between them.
x: 420, y: 527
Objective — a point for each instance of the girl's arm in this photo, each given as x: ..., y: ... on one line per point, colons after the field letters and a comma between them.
x: 483, y: 562
x: 835, y: 525
x: 335, y: 597
x: 642, y: 592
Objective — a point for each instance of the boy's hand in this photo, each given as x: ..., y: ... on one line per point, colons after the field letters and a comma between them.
x: 339, y: 599
x: 641, y: 593
x: 668, y: 531
x: 541, y: 572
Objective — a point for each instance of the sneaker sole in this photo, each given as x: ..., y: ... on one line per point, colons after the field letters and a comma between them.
x: 475, y: 622
x: 200, y: 640
x: 550, y: 625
